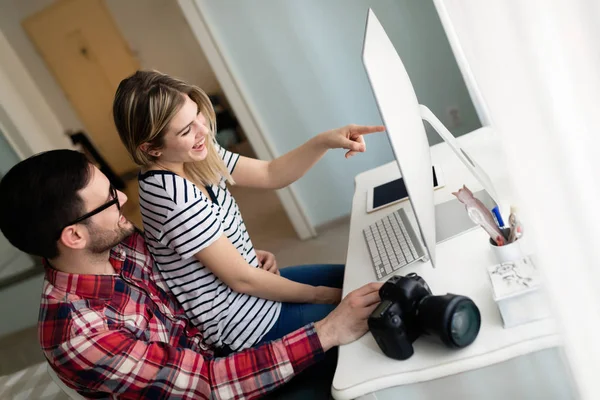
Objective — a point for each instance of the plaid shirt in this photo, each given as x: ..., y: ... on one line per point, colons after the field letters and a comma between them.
x: 125, y: 336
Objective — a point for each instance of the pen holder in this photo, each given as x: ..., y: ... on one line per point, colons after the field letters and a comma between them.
x: 508, y: 252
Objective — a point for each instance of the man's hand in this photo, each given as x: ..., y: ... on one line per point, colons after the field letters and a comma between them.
x: 348, y: 321
x: 267, y: 261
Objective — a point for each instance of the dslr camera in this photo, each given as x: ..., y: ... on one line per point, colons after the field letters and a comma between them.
x: 409, y: 310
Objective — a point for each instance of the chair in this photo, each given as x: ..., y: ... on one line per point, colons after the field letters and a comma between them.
x: 67, y: 390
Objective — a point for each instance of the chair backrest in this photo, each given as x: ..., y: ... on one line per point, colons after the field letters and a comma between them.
x: 67, y: 390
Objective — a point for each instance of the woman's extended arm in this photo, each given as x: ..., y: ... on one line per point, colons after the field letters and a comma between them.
x: 222, y: 258
x: 291, y: 166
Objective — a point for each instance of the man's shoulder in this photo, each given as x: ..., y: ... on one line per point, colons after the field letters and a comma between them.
x: 133, y: 248
x: 138, y: 259
x: 62, y: 313
x: 136, y: 244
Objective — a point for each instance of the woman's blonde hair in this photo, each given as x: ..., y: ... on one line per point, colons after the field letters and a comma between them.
x: 145, y: 104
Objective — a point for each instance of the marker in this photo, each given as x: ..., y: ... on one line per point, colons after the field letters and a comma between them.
x: 499, y: 220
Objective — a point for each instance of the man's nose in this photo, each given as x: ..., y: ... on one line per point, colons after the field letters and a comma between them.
x: 122, y: 198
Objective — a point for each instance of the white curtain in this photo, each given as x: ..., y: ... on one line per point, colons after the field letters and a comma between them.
x: 535, y: 66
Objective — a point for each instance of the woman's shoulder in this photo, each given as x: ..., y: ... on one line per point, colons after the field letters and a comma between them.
x: 229, y: 157
x: 167, y: 185
x: 152, y: 175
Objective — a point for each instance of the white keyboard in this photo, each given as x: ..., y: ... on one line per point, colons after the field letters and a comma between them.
x: 392, y: 243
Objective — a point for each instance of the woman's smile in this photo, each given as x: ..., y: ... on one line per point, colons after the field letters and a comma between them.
x: 199, y: 146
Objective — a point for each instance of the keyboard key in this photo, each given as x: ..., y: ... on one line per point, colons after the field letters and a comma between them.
x: 414, y: 251
x: 388, y: 270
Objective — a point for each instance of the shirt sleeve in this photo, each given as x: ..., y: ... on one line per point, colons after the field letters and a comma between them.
x: 191, y: 227
x: 229, y: 158
x: 115, y: 362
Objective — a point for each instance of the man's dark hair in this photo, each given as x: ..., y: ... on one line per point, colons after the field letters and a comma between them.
x: 38, y: 197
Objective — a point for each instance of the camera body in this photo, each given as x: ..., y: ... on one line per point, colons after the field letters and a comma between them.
x: 409, y: 310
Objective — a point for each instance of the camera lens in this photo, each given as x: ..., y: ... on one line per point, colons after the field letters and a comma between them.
x: 454, y: 319
x: 465, y: 323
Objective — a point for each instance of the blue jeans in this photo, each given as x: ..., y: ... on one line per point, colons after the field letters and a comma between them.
x: 315, y: 382
x: 295, y: 315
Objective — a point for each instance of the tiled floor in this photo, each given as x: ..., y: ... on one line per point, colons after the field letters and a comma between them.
x: 19, y: 350
x: 269, y: 229
x: 31, y: 383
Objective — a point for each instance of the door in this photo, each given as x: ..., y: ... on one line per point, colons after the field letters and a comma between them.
x: 85, y: 51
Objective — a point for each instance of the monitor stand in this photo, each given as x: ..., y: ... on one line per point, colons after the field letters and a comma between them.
x: 451, y: 218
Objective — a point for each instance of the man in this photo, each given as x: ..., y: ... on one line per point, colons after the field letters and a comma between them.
x: 108, y: 324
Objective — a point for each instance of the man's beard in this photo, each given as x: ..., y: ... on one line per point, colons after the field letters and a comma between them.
x: 103, y: 240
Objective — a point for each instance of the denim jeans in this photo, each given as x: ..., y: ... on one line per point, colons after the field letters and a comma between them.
x: 295, y: 315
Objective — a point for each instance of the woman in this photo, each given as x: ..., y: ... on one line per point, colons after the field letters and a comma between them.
x: 193, y: 226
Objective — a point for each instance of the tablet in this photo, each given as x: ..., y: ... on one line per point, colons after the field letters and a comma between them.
x: 394, y: 192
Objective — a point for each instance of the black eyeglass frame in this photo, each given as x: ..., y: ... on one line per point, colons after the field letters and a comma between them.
x: 115, y: 200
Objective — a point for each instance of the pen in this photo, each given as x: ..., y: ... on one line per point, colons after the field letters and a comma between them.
x: 516, y: 229
x: 499, y: 220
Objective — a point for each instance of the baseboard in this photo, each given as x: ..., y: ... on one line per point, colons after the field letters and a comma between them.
x: 332, y: 223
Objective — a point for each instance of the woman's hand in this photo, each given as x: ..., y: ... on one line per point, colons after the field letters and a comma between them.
x: 349, y: 137
x: 327, y: 295
x: 267, y: 261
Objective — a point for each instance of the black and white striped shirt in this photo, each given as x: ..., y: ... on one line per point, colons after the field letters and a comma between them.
x: 179, y: 220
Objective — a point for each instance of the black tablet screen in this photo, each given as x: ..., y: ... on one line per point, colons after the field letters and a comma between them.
x: 393, y: 191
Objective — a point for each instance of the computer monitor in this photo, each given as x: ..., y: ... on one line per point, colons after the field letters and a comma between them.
x: 402, y: 115
x: 400, y: 112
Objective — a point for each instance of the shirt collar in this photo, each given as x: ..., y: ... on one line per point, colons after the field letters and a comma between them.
x: 85, y: 285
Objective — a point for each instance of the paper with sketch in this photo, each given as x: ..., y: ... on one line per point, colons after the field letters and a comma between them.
x: 513, y: 278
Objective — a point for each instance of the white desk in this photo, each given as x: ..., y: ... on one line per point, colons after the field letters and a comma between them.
x: 461, y: 269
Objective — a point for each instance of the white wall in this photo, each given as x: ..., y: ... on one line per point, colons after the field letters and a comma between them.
x: 8, y: 157
x: 12, y: 12
x: 26, y: 293
x: 26, y: 119
x: 299, y: 64
x: 154, y: 29
x: 161, y: 39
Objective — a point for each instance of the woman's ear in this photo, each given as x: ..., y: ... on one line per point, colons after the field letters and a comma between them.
x: 146, y: 148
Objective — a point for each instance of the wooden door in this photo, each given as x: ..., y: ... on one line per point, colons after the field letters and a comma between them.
x: 85, y: 51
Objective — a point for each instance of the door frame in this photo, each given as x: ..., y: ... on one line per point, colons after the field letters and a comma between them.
x: 245, y: 113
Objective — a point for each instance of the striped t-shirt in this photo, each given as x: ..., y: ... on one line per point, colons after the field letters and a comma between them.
x: 179, y: 220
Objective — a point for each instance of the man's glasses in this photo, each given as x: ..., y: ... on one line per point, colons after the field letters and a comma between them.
x: 115, y: 200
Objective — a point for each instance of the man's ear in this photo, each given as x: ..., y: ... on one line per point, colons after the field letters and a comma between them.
x: 72, y: 237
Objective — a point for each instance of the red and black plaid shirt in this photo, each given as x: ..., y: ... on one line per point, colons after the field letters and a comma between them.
x: 125, y: 336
